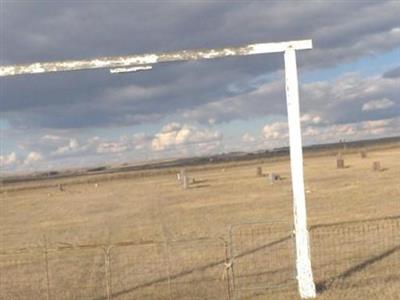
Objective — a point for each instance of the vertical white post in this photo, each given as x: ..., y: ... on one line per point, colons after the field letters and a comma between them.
x: 303, y: 263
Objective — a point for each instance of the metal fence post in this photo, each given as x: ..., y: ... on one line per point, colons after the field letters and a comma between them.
x: 107, y: 272
x: 168, y: 269
x: 46, y: 262
x: 228, y: 267
x: 232, y: 259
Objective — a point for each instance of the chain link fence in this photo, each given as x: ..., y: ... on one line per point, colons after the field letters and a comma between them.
x: 256, y: 259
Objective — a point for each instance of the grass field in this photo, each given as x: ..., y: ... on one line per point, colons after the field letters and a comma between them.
x: 148, y: 217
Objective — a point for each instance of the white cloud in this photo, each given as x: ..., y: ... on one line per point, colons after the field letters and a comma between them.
x: 310, y: 131
x: 131, y: 92
x: 55, y: 149
x: 339, y: 37
x: 352, y: 131
x: 332, y: 101
x: 276, y: 134
x: 8, y: 160
x: 175, y: 134
x: 377, y: 127
x: 310, y: 119
x: 248, y: 138
x: 339, y: 100
x: 71, y: 146
x: 266, y: 99
x: 113, y: 147
x: 275, y: 131
x: 378, y: 104
x: 33, y: 157
x: 51, y: 137
x: 211, y: 121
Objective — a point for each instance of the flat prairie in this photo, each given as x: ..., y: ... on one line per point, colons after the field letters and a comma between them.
x: 141, y: 235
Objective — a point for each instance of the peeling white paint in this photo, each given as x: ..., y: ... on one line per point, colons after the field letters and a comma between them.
x: 130, y: 69
x: 144, y: 62
x: 152, y: 58
x: 303, y: 263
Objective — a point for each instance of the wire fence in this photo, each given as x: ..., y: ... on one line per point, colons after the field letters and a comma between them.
x: 262, y: 257
x: 256, y: 258
x: 353, y: 254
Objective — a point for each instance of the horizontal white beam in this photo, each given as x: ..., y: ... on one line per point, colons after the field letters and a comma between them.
x: 151, y: 58
x: 130, y: 69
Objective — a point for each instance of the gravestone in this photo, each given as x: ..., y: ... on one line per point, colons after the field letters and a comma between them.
x: 339, y: 161
x: 259, y: 172
x: 274, y: 177
x: 376, y: 166
x: 185, y: 182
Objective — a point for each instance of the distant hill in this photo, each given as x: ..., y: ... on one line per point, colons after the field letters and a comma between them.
x: 343, y: 146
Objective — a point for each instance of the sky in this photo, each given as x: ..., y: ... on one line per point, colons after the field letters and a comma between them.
x: 349, y: 82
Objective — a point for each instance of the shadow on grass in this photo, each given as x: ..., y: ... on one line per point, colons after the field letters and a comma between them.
x: 321, y: 286
x: 324, y: 285
x: 221, y: 262
x: 199, y: 186
x: 200, y: 181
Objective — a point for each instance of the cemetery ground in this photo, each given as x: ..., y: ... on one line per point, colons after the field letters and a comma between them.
x: 146, y: 208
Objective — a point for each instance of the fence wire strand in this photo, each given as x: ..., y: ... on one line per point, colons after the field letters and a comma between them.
x: 255, y: 259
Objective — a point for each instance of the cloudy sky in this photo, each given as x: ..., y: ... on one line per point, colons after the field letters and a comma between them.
x: 350, y: 81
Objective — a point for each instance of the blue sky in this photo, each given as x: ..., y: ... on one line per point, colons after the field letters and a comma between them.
x: 349, y: 82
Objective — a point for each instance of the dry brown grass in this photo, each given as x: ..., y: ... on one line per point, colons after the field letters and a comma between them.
x: 156, y: 209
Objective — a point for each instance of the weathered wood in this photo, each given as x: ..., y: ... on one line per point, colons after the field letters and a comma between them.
x: 303, y: 263
x: 133, y: 62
